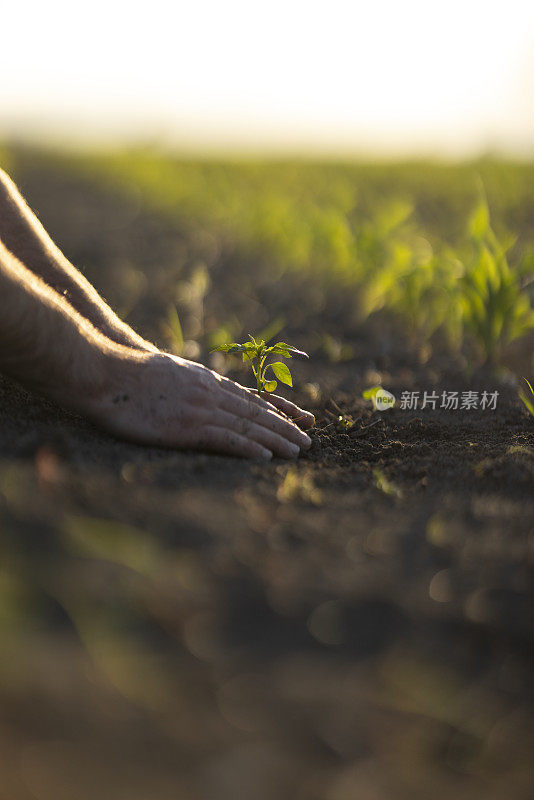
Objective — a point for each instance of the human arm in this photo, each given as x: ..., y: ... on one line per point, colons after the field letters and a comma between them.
x: 150, y: 398
x: 24, y: 236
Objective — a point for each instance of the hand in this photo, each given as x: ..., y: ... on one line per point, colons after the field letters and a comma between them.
x: 300, y: 417
x: 164, y: 400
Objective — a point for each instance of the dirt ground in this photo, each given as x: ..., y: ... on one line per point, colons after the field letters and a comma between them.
x: 354, y: 625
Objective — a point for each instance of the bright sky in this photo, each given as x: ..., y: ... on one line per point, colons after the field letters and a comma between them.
x: 402, y: 76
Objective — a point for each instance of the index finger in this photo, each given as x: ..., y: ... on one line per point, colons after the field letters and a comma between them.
x: 304, y: 419
x: 257, y: 410
x: 246, y: 394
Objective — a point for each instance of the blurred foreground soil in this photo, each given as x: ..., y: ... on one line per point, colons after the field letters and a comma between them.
x: 355, y: 625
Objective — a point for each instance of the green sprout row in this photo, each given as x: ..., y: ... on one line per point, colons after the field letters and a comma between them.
x: 403, y: 250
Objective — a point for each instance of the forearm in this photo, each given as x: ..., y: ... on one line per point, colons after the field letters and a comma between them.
x: 24, y: 236
x: 47, y: 345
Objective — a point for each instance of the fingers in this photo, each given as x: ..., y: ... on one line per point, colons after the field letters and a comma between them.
x: 250, y: 395
x: 222, y: 440
x: 277, y: 444
x: 253, y: 409
x: 302, y: 418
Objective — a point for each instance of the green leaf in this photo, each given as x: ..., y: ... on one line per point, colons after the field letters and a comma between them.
x: 298, y: 352
x: 282, y: 372
x: 223, y: 348
x: 370, y: 394
x: 289, y: 348
x: 279, y: 351
x: 234, y: 347
x: 528, y: 401
x: 528, y: 405
x: 175, y: 329
x: 270, y: 386
x: 479, y: 220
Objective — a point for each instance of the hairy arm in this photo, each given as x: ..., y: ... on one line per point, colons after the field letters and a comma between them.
x: 44, y: 343
x: 24, y: 236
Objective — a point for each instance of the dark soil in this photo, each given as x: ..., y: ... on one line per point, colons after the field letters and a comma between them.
x: 354, y: 625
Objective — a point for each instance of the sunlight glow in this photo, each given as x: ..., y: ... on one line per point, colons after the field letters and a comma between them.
x: 412, y: 77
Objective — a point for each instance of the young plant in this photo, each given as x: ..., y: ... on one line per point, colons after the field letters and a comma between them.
x: 495, y: 308
x: 257, y: 353
x: 528, y: 399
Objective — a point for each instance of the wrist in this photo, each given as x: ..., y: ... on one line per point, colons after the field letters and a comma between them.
x: 117, y: 374
x: 101, y: 371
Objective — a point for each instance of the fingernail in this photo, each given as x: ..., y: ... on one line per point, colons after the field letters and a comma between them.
x: 294, y: 448
x: 306, y: 441
x: 265, y: 454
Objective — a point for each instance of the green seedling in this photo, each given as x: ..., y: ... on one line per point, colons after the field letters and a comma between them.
x: 370, y: 394
x: 257, y: 353
x: 528, y: 399
x: 343, y: 422
x: 495, y: 309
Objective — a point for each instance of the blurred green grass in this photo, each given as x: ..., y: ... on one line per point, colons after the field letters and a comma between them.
x: 402, y: 237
